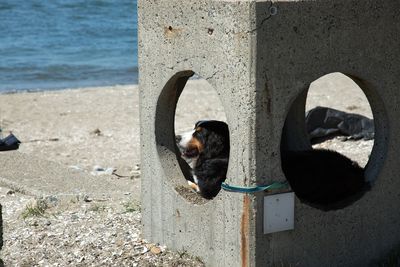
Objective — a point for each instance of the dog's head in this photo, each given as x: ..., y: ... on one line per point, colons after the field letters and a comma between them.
x: 209, y: 139
x: 206, y: 150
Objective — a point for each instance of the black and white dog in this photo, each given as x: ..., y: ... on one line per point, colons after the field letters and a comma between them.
x: 206, y: 150
x: 321, y: 178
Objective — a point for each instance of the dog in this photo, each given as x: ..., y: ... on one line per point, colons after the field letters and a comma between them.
x: 206, y: 150
x: 323, y: 179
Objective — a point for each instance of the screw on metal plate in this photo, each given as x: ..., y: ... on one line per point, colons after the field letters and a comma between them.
x: 273, y: 10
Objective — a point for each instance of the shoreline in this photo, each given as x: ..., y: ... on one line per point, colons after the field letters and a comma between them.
x: 38, y: 90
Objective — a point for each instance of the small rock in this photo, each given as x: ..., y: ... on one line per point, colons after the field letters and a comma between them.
x: 97, y: 132
x: 140, y: 250
x: 75, y: 167
x: 86, y: 198
x: 74, y: 217
x: 109, y: 171
x: 97, y: 170
x: 10, y: 192
x: 136, y: 174
x: 119, y: 242
x: 51, y: 201
x: 155, y: 250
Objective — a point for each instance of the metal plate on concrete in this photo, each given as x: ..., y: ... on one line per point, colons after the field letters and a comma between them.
x: 278, y: 212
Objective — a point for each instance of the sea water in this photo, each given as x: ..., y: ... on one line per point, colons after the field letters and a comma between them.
x: 54, y: 44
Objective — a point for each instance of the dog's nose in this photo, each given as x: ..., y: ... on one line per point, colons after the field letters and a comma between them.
x: 178, y: 138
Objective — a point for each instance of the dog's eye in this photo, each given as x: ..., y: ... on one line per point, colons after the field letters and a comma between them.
x: 196, y: 135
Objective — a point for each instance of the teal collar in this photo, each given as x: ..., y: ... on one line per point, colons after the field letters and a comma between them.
x: 254, y: 189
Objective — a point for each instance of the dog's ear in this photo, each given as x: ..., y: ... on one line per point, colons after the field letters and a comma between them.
x: 216, y: 145
x: 216, y: 135
x: 212, y: 125
x: 199, y: 123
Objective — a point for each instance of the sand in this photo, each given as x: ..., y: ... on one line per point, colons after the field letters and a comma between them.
x: 84, y: 128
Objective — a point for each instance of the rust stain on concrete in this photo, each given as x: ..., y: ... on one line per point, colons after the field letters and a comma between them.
x: 171, y: 32
x: 244, y: 231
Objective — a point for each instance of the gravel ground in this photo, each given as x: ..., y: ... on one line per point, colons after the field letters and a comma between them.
x: 79, y: 234
x: 100, y: 127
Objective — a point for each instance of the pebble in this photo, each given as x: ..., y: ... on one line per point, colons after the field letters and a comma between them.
x: 97, y: 170
x: 97, y: 132
x: 136, y: 174
x: 86, y: 198
x: 75, y: 167
x: 155, y: 250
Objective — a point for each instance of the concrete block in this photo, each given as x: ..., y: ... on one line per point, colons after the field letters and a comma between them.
x: 261, y: 56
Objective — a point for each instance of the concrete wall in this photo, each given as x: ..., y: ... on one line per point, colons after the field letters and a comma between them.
x: 213, y: 230
x: 260, y: 57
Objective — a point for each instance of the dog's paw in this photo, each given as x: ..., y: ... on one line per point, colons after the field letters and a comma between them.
x: 194, y: 186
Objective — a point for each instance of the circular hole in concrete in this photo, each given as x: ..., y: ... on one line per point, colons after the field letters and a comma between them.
x: 186, y: 99
x: 339, y: 117
x: 329, y: 156
x: 199, y: 102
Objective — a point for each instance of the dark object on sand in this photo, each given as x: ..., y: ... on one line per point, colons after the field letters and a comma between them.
x: 9, y: 143
x: 324, y: 123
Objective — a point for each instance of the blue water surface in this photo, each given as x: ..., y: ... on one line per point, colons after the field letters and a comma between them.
x: 53, y: 44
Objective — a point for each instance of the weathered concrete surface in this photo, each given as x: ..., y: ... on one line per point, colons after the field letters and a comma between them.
x: 175, y: 36
x: 261, y: 56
